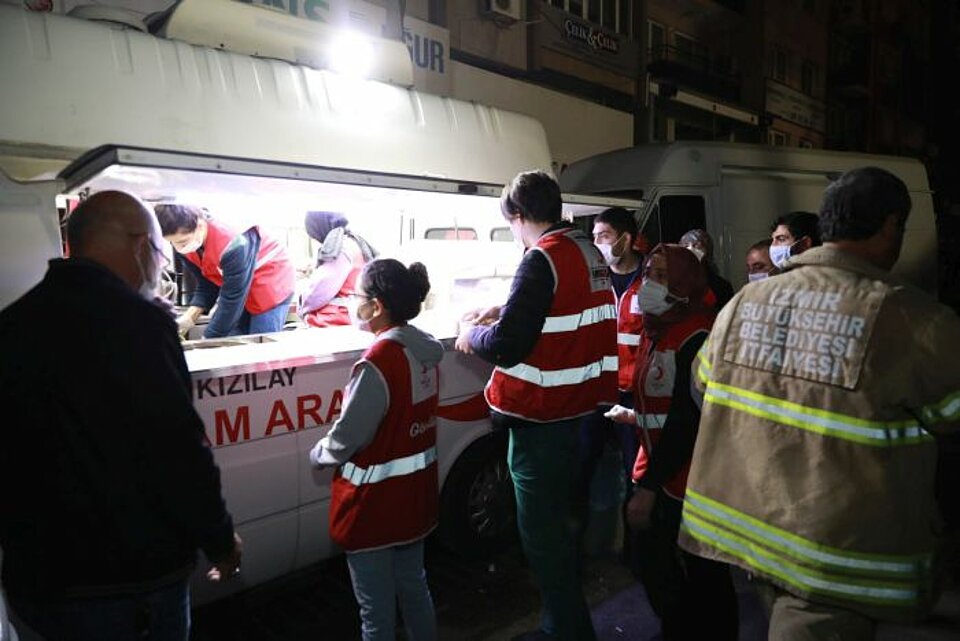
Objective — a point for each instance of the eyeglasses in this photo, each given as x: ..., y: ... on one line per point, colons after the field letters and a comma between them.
x: 164, y: 261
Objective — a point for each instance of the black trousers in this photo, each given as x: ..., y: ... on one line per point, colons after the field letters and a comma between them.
x: 693, y: 597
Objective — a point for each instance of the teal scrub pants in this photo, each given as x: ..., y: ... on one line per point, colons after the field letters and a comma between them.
x: 543, y: 461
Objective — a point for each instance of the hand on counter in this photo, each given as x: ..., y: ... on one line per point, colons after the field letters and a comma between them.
x: 463, y: 338
x: 483, y: 316
x: 184, y: 323
x: 188, y: 319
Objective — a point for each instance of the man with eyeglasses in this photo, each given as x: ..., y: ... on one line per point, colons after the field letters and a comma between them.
x: 106, y: 483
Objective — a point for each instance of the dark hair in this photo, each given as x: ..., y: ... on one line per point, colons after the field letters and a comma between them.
x: 620, y: 219
x: 400, y: 289
x: 802, y: 224
x: 761, y: 244
x: 177, y: 218
x: 533, y: 195
x: 857, y: 203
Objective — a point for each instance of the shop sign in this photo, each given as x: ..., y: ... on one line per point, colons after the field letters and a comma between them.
x: 561, y: 32
x: 310, y: 9
x: 429, y: 47
x: 594, y: 37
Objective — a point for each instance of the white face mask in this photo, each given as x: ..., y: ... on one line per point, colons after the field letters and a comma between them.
x: 780, y: 254
x: 353, y: 306
x: 149, y: 278
x: 699, y: 253
x: 607, y: 250
x: 190, y: 247
x: 758, y: 276
x: 652, y: 298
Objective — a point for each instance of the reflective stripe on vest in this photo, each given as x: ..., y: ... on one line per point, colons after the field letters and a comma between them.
x: 556, y: 378
x: 889, y: 579
x: 383, y: 471
x: 570, y: 322
x: 842, y: 426
x: 275, y: 251
x: 632, y: 340
x: 651, y: 421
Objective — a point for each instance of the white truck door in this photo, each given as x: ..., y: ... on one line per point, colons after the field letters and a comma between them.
x: 29, y: 234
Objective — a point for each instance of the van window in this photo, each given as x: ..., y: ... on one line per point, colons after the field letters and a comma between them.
x: 451, y: 233
x: 673, y: 216
x: 501, y: 235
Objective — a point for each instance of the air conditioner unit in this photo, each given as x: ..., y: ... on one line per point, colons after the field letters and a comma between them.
x: 512, y: 9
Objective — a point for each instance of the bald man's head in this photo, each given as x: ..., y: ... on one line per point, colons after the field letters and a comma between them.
x: 101, y: 217
x: 116, y: 230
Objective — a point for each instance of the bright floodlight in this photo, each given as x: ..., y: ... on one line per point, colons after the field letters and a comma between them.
x: 351, y: 55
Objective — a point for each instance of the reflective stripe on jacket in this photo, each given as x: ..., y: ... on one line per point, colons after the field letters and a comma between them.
x: 273, y: 274
x: 653, y: 393
x: 573, y: 365
x: 814, y: 464
x: 629, y: 328
x: 387, y: 493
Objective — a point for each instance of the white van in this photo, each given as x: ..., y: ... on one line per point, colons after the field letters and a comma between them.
x: 100, y: 106
x: 735, y: 191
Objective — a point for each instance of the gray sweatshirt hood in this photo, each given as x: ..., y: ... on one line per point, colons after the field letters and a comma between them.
x: 424, y: 347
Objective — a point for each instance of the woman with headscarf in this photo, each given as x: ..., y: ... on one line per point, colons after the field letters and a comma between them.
x: 684, y: 590
x: 340, y: 259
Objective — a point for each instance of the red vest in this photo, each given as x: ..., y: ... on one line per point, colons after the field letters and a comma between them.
x: 653, y: 395
x: 336, y: 312
x: 573, y: 365
x: 273, y: 275
x: 629, y: 330
x: 388, y: 493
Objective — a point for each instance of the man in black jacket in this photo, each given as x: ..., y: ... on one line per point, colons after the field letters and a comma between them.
x: 106, y: 483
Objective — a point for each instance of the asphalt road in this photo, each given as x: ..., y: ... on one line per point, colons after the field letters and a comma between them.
x: 476, y: 600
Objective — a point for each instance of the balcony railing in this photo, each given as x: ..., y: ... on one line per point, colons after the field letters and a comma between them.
x: 703, y: 71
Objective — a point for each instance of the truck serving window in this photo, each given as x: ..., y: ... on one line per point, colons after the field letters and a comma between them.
x: 451, y: 233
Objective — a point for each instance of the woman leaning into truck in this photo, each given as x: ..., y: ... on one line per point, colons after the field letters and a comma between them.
x: 385, y: 493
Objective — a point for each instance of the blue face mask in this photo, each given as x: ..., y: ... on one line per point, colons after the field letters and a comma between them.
x: 780, y: 254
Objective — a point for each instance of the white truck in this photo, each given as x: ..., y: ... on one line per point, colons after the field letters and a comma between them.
x: 92, y: 106
x: 735, y: 191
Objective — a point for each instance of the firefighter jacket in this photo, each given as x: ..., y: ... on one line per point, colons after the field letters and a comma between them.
x: 273, y: 274
x: 814, y: 463
x: 655, y: 390
x: 572, y: 368
x: 387, y: 493
x: 629, y: 328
